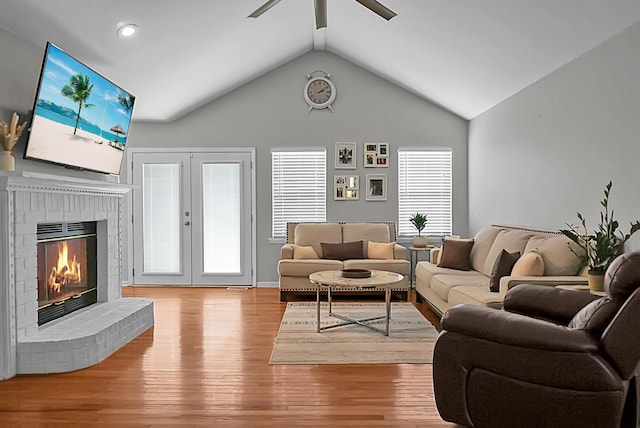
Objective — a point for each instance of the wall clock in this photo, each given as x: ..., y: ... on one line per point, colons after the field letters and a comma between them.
x: 319, y: 92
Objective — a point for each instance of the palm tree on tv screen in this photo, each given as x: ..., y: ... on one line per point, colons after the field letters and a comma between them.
x: 126, y: 101
x: 78, y: 90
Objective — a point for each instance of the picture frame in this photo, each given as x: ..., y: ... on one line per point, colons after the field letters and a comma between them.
x: 376, y: 155
x: 345, y: 156
x: 376, y: 187
x: 346, y: 187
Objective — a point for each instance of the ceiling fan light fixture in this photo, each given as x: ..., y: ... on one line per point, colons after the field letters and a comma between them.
x: 127, y: 30
x: 321, y: 10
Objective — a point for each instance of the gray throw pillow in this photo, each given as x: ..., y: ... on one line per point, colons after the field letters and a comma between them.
x: 502, y: 267
x: 456, y: 254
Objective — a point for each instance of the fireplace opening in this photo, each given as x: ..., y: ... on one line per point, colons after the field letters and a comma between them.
x: 67, y: 266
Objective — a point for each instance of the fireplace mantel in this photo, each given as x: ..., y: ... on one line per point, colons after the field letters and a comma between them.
x: 27, y: 199
x: 36, y: 182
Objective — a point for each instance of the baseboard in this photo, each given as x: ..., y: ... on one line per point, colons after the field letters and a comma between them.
x: 268, y: 284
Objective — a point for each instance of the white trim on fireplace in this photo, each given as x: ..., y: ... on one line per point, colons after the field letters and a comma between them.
x: 7, y: 326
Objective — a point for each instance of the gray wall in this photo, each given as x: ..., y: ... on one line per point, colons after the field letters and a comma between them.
x: 547, y: 152
x: 271, y: 112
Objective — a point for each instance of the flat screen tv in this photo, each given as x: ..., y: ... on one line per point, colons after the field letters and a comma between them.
x: 80, y: 119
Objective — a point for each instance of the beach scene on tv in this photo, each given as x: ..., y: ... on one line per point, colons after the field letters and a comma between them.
x: 80, y: 118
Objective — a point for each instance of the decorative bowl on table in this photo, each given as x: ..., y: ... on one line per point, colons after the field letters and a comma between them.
x: 356, y: 273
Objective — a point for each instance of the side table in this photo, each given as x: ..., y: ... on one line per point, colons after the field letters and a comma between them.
x: 413, y: 260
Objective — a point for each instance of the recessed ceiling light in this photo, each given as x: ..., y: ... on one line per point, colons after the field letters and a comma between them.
x: 127, y: 30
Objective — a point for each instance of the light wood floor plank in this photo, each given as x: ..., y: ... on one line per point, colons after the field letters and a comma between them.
x: 206, y: 363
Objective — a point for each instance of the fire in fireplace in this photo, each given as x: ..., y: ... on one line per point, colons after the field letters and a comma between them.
x: 67, y: 259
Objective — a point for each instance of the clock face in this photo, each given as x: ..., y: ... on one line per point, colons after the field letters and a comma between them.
x: 320, y: 92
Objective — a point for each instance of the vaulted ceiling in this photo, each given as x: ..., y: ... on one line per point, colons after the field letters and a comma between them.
x: 465, y: 55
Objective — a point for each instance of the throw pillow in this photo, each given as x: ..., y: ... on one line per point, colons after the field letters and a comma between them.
x: 347, y: 250
x: 456, y: 254
x: 530, y: 264
x: 301, y: 252
x: 380, y: 250
x: 502, y: 267
x: 439, y: 257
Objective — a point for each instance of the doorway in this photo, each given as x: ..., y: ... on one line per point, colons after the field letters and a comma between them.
x: 193, y: 217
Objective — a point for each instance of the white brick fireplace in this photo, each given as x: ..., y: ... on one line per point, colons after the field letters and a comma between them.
x: 81, y: 338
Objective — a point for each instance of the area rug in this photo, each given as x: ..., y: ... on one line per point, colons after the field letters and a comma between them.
x: 410, y: 341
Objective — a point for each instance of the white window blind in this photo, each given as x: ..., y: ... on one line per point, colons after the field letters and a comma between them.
x: 299, y: 190
x: 424, y: 185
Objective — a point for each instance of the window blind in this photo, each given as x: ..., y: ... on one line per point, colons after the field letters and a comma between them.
x: 299, y: 190
x: 424, y: 185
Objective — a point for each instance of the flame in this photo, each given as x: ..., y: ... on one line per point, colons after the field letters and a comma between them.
x: 65, y: 272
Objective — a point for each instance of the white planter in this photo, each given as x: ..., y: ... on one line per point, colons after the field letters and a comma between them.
x: 420, y: 241
x: 7, y: 161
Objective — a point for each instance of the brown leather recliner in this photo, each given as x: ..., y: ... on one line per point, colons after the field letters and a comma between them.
x: 551, y: 358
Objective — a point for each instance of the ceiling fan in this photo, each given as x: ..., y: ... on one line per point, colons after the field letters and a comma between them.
x: 321, y: 10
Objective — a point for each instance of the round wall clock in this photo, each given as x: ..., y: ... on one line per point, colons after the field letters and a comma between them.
x: 319, y: 92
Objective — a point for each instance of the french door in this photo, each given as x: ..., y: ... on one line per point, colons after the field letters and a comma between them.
x: 192, y: 217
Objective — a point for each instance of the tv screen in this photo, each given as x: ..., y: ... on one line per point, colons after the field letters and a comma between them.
x: 80, y: 119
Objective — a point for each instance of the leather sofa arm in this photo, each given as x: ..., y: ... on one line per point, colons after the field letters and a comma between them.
x: 508, y: 282
x: 286, y: 252
x: 399, y: 252
x: 534, y: 300
x: 515, y: 330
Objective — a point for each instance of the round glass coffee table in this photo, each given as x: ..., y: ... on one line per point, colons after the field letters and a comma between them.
x: 332, y: 280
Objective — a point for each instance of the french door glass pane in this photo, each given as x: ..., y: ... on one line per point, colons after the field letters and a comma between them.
x: 221, y: 217
x: 161, y: 212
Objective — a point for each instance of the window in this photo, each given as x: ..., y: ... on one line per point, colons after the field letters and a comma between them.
x: 299, y: 190
x: 424, y: 185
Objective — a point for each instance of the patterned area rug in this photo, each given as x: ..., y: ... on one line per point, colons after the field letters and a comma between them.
x: 410, y: 341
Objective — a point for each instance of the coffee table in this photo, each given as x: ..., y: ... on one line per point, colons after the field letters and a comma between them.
x: 333, y: 280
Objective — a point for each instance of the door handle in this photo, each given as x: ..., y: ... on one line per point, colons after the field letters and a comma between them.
x: 187, y: 223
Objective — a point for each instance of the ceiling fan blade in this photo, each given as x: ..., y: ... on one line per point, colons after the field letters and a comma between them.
x: 378, y: 8
x: 265, y: 7
x: 321, y: 13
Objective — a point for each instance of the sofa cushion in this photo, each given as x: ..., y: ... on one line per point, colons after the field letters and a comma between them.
x: 482, y: 242
x: 502, y: 267
x: 304, y: 252
x: 291, y: 267
x: 380, y: 250
x: 426, y: 270
x: 455, y: 254
x: 512, y: 240
x: 313, y: 233
x: 443, y: 283
x: 558, y: 258
x: 347, y: 250
x: 475, y: 295
x: 377, y: 232
x: 529, y: 264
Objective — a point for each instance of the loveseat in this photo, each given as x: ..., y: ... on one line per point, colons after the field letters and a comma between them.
x: 544, y: 258
x: 315, y: 247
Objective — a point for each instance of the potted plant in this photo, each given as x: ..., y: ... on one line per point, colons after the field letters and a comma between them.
x: 419, y: 221
x: 602, y: 246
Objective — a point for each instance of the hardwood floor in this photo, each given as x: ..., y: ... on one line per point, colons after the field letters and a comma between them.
x: 206, y: 363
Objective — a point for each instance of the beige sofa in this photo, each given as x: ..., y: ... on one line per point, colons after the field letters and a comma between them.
x: 443, y: 288
x: 294, y: 271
